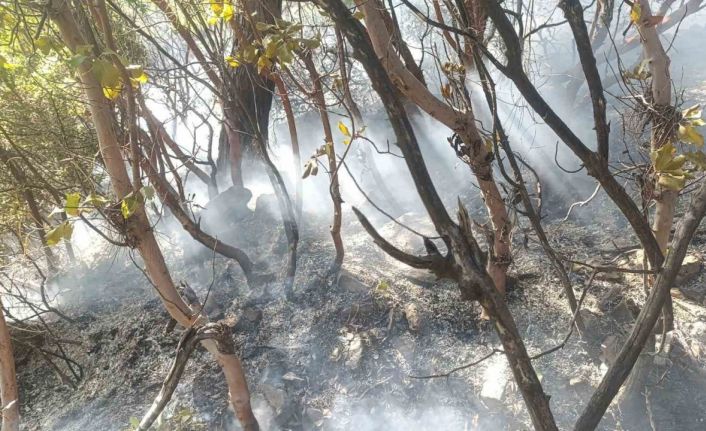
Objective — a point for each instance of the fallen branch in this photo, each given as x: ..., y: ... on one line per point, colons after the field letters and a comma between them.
x: 441, y: 266
x: 601, y: 268
x: 582, y: 203
x: 189, y: 340
x: 462, y: 367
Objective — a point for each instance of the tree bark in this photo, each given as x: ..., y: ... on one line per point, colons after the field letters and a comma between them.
x: 472, y: 278
x: 10, y: 410
x: 139, y: 231
x: 463, y: 123
x: 29, y: 198
x: 294, y: 138
x: 642, y: 330
x: 334, y: 187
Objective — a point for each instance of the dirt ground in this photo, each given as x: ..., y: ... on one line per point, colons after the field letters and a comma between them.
x: 346, y: 353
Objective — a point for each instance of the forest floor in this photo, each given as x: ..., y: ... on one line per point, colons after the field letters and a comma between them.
x: 344, y: 354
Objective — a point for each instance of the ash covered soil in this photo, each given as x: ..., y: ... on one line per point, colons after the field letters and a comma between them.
x: 345, y: 353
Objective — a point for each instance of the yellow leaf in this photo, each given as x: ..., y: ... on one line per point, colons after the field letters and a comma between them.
x: 212, y: 20
x: 137, y: 74
x: 673, y: 182
x: 635, y: 12
x: 129, y: 205
x: 63, y: 231
x: 692, y: 113
x: 111, y: 93
x: 227, y: 12
x: 690, y: 135
x: 359, y: 14
x: 346, y: 142
x: 217, y: 7
x: 342, y: 127
x: 662, y: 156
x: 263, y: 63
x: 72, y: 204
x: 232, y: 62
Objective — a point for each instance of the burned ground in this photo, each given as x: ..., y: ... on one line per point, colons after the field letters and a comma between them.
x: 348, y: 353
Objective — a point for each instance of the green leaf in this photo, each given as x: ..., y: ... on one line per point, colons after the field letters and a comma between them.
x: 94, y: 200
x: 148, y: 192
x: 72, y: 206
x: 662, y: 157
x: 109, y: 78
x: 698, y: 159
x: 263, y: 26
x: 76, y: 60
x: 44, y: 44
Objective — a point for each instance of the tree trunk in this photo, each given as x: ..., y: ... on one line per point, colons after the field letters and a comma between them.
x: 34, y: 211
x: 294, y: 138
x: 139, y: 231
x: 663, y: 124
x: 472, y: 278
x: 463, y: 123
x: 8, y: 381
x: 334, y: 188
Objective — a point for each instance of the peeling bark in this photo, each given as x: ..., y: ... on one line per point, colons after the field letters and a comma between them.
x: 10, y: 409
x: 463, y: 123
x: 139, y: 231
x: 472, y: 279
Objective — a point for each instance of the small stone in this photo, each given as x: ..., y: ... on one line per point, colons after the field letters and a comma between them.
x: 354, y: 352
x: 575, y: 381
x: 413, y: 318
x: 348, y: 282
x: 690, y: 269
x: 495, y: 379
x: 622, y: 313
x: 291, y: 377
x: 698, y: 329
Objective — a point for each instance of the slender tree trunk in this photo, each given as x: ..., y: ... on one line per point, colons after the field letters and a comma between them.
x: 34, y: 211
x: 663, y: 122
x: 8, y: 381
x: 366, y: 152
x: 472, y: 278
x: 139, y: 231
x: 334, y: 188
x: 294, y: 138
x: 478, y: 157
